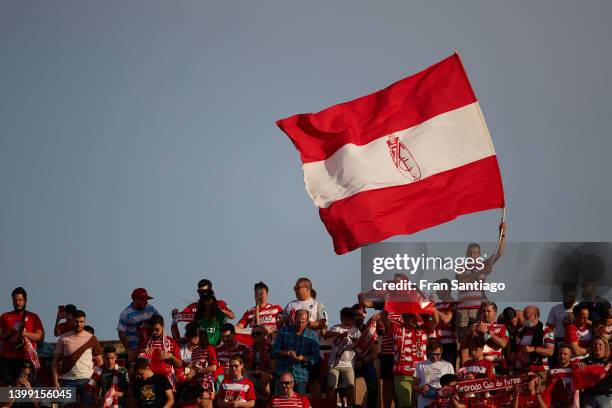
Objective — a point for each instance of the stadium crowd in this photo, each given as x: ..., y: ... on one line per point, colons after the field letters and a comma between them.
x: 461, y: 352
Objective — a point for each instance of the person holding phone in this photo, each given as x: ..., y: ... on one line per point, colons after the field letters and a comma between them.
x: 64, y: 313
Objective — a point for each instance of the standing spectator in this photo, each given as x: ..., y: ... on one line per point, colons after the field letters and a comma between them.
x: 530, y: 396
x: 236, y: 391
x: 512, y: 319
x: 64, y: 312
x: 188, y: 314
x: 263, y: 313
x: 410, y: 347
x: 447, y: 308
x: 477, y: 366
x: 163, y: 351
x: 297, y: 349
x: 599, y: 395
x: 259, y: 365
x: 317, y: 320
x: 287, y: 397
x: 494, y: 334
x: 598, y: 307
x: 192, y: 340
x: 387, y: 355
x: 204, y: 364
x: 16, y: 328
x: 562, y: 314
x: 364, y: 365
x: 151, y: 390
x: 111, y: 381
x: 342, y: 356
x: 229, y: 347
x: 429, y: 372
x: 23, y: 380
x: 578, y: 334
x: 560, y: 378
x: 73, y: 361
x: 132, y: 317
x: 535, y: 343
x: 209, y: 317
x: 470, y: 300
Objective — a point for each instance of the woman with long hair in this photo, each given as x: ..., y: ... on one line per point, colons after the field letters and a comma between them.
x: 236, y: 391
x: 209, y: 317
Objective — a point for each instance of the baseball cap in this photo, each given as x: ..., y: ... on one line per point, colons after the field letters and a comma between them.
x: 140, y: 294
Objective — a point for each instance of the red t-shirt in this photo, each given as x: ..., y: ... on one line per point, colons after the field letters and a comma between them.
x: 237, y: 390
x: 582, y: 335
x: 192, y: 308
x: 224, y: 354
x: 12, y: 320
x: 168, y: 344
x: 492, y: 351
x: 267, y: 316
x: 203, y: 357
x: 295, y: 401
x: 562, y: 379
x: 478, y: 368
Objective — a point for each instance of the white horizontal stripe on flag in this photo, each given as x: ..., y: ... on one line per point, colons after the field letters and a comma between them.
x: 445, y: 142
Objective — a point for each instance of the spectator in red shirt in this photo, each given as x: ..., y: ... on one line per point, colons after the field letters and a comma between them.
x: 578, y: 334
x: 229, y: 347
x: 560, y: 379
x: 260, y: 366
x: 15, y: 328
x: 64, y: 312
x: 189, y: 313
x: 477, y: 366
x: 288, y: 398
x: 236, y: 391
x: 163, y: 351
x: 263, y: 313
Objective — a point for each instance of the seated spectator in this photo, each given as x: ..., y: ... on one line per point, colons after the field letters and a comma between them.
x: 189, y: 313
x: 429, y: 372
x: 259, y: 365
x: 16, y: 327
x: 296, y: 349
x: 342, y: 356
x: 151, y: 390
x: 599, y: 395
x: 236, y: 391
x: 287, y: 398
x: 110, y: 381
x: 477, y: 366
x: 131, y: 318
x: 65, y: 313
x: 560, y: 379
x: 229, y: 347
x: 73, y: 362
x: 578, y: 334
x: 535, y: 343
x: 263, y: 313
x: 163, y: 351
x: 209, y: 317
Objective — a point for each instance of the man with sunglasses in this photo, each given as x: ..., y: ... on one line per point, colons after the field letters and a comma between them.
x: 287, y: 397
x: 429, y: 372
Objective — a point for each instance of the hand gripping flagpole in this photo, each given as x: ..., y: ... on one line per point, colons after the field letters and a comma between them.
x: 501, y: 231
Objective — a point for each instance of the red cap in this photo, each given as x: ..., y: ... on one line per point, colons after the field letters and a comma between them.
x: 140, y: 294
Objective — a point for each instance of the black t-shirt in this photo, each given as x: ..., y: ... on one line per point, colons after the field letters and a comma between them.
x: 151, y: 393
x: 604, y: 387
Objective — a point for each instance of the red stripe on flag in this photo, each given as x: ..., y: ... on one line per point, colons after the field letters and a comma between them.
x: 374, y: 215
x: 441, y: 88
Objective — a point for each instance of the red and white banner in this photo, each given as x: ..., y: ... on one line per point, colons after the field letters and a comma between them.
x: 408, y: 157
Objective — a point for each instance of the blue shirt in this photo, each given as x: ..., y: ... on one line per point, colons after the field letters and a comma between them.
x: 129, y: 321
x: 305, y: 345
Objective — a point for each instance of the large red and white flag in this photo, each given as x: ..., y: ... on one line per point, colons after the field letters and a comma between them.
x: 408, y: 157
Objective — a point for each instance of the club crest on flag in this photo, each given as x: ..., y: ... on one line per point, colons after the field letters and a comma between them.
x: 403, y: 159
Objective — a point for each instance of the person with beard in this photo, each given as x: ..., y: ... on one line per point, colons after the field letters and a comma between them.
x: 73, y: 361
x: 15, y: 327
x: 163, y: 351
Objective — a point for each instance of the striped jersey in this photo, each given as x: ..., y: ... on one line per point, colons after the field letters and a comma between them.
x: 203, y: 357
x: 131, y: 319
x: 267, y: 316
x: 224, y: 353
x: 387, y: 346
x: 478, y: 368
x: 236, y: 390
x: 294, y: 401
x: 524, y: 338
x: 582, y: 335
x: 410, y: 346
x: 492, y: 351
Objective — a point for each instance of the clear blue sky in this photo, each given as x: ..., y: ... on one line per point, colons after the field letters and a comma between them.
x: 138, y: 145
